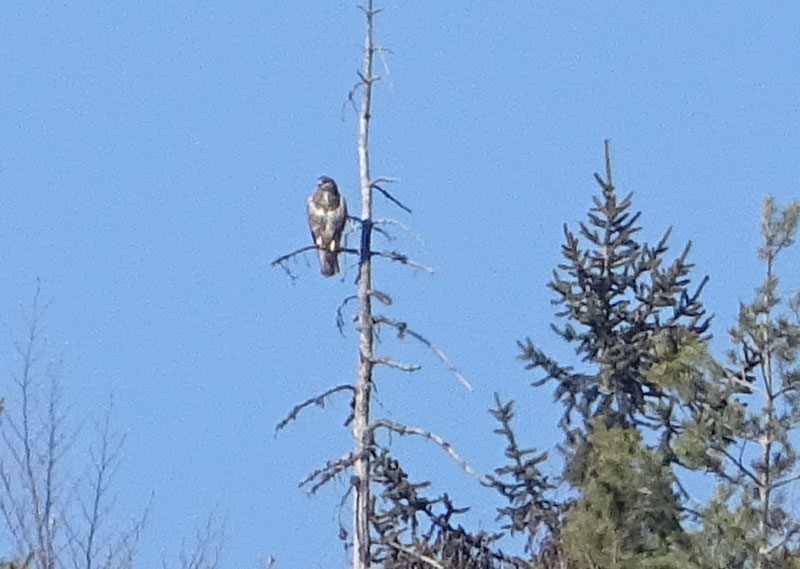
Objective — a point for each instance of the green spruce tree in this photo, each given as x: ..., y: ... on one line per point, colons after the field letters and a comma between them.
x: 640, y: 334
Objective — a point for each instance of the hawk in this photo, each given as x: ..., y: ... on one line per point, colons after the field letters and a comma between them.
x: 327, y: 215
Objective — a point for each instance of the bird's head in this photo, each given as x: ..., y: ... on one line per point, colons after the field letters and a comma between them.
x: 327, y: 184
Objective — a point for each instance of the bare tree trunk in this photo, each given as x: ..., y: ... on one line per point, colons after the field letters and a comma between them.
x: 363, y: 387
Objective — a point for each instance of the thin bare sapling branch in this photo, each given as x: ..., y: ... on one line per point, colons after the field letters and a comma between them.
x: 33, y: 444
x: 63, y: 515
x: 206, y: 547
x: 91, y: 541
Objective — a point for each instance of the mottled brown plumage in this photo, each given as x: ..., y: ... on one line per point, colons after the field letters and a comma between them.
x: 327, y: 216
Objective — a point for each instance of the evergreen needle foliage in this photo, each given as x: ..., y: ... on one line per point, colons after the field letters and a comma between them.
x: 640, y: 333
x: 628, y: 311
x: 530, y: 510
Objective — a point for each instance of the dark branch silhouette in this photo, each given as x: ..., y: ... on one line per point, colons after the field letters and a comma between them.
x: 389, y: 196
x: 319, y: 400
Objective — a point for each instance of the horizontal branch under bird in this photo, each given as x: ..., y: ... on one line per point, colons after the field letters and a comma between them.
x: 391, y: 255
x: 402, y: 429
x: 283, y: 258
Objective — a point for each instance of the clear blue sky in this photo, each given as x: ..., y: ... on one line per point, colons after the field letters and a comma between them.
x: 156, y: 156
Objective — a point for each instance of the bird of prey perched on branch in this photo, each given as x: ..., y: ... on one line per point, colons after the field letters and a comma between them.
x: 327, y: 216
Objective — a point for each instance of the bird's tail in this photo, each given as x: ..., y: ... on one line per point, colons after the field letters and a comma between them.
x: 328, y: 262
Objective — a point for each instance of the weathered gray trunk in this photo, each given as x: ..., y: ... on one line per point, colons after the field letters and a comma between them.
x: 361, y: 417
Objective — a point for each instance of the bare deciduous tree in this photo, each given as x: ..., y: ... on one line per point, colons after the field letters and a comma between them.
x: 203, y: 551
x: 57, y: 514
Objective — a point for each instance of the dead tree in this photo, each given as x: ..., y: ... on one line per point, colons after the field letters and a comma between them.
x: 359, y: 462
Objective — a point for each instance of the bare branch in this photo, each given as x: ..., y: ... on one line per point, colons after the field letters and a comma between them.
x: 376, y: 294
x: 340, y: 315
x: 785, y: 481
x: 103, y: 465
x: 365, y: 81
x: 741, y: 467
x: 351, y: 98
x: 383, y: 232
x: 45, y: 506
x: 414, y: 235
x: 396, y: 365
x: 318, y: 400
x: 120, y: 553
x: 788, y: 536
x: 402, y: 429
x: 403, y: 330
x: 325, y: 474
x: 403, y: 259
x: 391, y: 198
x: 283, y: 258
x: 206, y: 549
x: 381, y: 296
